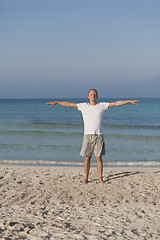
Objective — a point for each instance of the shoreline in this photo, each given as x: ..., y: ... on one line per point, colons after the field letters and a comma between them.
x: 105, y: 167
x: 106, y: 164
x: 40, y: 202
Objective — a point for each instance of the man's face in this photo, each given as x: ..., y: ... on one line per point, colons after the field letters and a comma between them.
x: 92, y: 95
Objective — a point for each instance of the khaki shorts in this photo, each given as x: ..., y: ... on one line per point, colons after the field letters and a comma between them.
x: 93, y: 143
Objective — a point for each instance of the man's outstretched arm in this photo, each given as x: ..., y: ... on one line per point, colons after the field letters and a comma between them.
x: 121, y: 103
x: 63, y: 103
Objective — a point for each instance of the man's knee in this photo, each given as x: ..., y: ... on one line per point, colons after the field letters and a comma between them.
x: 88, y: 158
x: 99, y: 159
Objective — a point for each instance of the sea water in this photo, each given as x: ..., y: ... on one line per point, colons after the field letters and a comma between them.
x: 32, y: 132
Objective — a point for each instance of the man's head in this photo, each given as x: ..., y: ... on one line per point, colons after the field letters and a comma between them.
x: 92, y: 89
x: 92, y: 95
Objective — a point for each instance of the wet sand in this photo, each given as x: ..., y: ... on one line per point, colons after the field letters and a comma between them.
x: 53, y: 203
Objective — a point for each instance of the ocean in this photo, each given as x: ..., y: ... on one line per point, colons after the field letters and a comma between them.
x: 32, y: 132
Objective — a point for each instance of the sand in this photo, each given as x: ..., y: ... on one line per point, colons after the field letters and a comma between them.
x: 53, y: 203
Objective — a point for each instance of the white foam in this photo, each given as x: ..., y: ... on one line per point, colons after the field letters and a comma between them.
x: 71, y: 163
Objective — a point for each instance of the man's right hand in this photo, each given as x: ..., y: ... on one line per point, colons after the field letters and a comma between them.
x: 51, y: 103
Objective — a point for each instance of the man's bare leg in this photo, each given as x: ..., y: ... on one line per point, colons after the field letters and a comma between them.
x: 86, y: 168
x: 100, y: 168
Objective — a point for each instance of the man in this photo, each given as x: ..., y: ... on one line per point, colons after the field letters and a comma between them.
x: 93, y: 140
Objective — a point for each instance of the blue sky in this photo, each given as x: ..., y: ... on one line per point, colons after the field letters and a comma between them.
x: 62, y: 48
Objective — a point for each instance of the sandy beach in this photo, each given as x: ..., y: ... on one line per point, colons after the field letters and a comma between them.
x: 53, y: 203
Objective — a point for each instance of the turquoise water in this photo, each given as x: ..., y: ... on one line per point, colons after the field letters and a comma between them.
x: 32, y: 132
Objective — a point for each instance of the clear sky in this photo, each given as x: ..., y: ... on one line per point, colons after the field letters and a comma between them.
x: 62, y: 48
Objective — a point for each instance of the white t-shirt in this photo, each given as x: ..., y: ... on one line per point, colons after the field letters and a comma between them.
x: 93, y: 116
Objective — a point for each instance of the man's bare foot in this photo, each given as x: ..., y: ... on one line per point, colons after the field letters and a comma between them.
x: 85, y: 181
x: 101, y: 181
